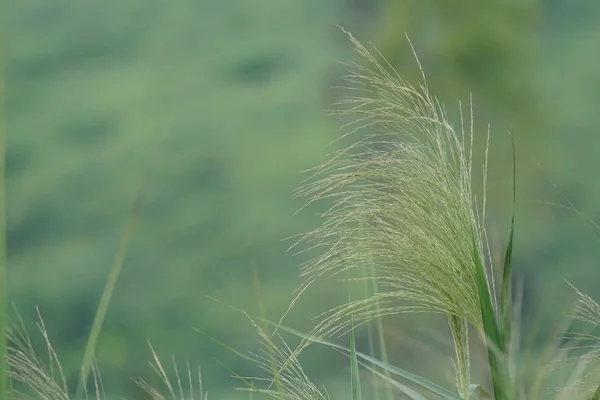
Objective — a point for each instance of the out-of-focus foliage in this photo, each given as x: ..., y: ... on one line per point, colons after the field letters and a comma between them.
x: 486, y: 48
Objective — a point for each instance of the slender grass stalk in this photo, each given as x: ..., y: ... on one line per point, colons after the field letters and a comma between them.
x: 371, y: 289
x: 355, y: 386
x: 371, y: 343
x: 370, y: 329
x: 381, y: 341
x: 109, y: 288
x: 380, y: 334
x: 113, y: 276
x: 3, y: 267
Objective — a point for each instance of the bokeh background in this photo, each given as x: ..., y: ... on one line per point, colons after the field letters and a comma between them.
x: 221, y: 103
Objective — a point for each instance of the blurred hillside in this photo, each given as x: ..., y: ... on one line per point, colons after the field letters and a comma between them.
x: 222, y: 103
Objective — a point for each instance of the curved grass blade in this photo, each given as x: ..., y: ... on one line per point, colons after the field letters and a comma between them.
x: 480, y: 392
x: 113, y: 277
x: 237, y: 353
x: 403, y: 388
x: 416, y: 379
x: 596, y: 395
x: 223, y: 345
x: 246, y: 381
x: 109, y: 288
x: 506, y: 295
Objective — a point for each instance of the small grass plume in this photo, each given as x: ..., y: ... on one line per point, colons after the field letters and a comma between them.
x: 185, y: 386
x: 42, y: 376
x: 285, y: 378
x: 404, y: 205
x: 578, y: 357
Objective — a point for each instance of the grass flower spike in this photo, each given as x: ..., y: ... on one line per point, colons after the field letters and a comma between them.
x: 404, y: 206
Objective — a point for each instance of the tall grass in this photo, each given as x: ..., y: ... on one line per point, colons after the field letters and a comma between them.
x: 405, y: 214
x: 404, y: 203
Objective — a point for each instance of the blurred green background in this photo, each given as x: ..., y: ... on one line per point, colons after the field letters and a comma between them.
x: 224, y: 100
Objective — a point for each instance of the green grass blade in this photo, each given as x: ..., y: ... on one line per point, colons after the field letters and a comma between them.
x: 354, y: 374
x: 506, y: 295
x: 416, y: 379
x: 596, y: 395
x: 480, y: 392
x: 113, y: 276
x: 109, y: 288
x: 493, y: 338
x: 223, y: 345
x: 3, y: 275
x: 381, y: 338
x: 403, y: 388
x: 370, y: 330
x: 246, y: 381
x: 371, y: 341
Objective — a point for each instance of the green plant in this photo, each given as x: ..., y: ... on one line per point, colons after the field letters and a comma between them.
x: 406, y: 218
x: 404, y: 203
x: 43, y: 377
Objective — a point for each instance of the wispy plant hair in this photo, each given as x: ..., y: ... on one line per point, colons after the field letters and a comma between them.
x: 287, y: 379
x: 43, y: 377
x: 186, y: 385
x: 403, y: 205
x: 579, y: 356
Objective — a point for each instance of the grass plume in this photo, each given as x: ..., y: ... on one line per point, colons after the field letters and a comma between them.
x: 42, y: 376
x: 185, y: 386
x: 404, y: 203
